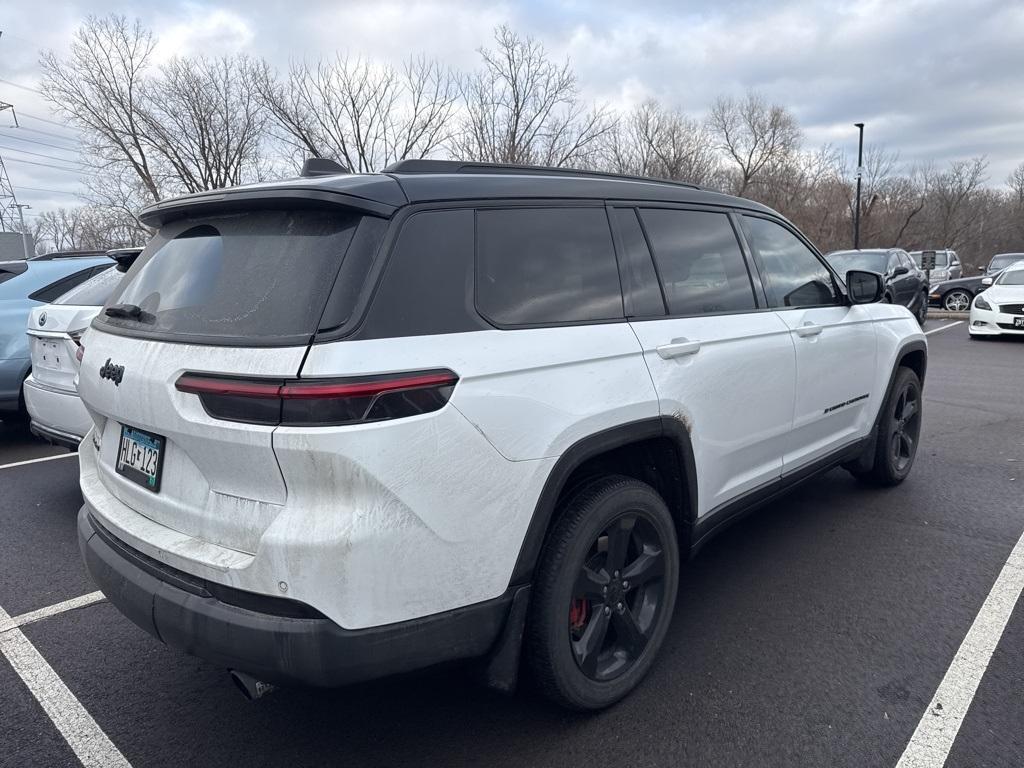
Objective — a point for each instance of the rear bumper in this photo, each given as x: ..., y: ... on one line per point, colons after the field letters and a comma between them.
x: 272, y: 639
x: 57, y: 415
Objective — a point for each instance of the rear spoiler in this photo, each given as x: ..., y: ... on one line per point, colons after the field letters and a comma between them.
x: 124, y: 257
x: 383, y: 198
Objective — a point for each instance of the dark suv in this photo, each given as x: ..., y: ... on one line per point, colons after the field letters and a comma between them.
x: 904, y: 282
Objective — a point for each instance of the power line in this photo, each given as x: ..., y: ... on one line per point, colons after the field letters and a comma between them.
x: 54, y: 191
x: 40, y: 154
x: 45, y: 165
x: 44, y: 133
x: 36, y: 141
x: 19, y: 85
x: 42, y: 119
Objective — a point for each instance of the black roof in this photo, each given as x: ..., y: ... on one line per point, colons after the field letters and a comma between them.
x: 420, y: 181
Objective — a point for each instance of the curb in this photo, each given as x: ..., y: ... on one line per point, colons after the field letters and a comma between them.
x: 942, y: 314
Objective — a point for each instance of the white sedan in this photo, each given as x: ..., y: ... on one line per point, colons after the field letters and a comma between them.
x: 999, y: 309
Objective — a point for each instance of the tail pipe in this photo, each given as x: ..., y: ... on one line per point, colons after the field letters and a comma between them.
x: 250, y: 687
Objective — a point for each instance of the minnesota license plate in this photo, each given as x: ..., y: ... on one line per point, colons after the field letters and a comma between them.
x: 140, y: 457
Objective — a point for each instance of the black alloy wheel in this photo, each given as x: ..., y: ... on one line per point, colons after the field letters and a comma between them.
x: 617, y: 597
x: 603, y: 593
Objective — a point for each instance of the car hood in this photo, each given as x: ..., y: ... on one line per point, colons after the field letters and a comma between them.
x: 1005, y: 294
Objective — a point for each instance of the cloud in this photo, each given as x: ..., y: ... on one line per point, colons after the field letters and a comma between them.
x: 936, y: 81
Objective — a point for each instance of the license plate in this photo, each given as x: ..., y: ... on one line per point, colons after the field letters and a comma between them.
x: 49, y: 355
x: 140, y: 457
x: 1018, y: 322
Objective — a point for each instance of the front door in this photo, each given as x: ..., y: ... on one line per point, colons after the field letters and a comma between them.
x: 835, y: 344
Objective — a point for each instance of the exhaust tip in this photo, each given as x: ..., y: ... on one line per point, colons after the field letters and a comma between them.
x: 250, y: 687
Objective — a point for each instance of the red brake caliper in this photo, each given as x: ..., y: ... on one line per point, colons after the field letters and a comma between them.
x: 578, y: 610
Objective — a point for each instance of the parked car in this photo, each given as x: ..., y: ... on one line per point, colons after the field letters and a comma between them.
x: 55, y: 333
x: 956, y: 295
x: 1000, y: 262
x: 904, y: 283
x: 999, y: 311
x: 24, y: 285
x: 368, y: 423
x: 947, y: 265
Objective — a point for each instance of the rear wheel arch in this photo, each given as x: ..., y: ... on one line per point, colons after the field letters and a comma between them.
x: 656, y: 451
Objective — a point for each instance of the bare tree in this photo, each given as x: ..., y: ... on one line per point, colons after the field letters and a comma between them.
x: 203, y: 118
x: 87, y: 227
x: 653, y: 141
x: 1015, y: 181
x: 360, y: 113
x: 524, y: 108
x: 99, y: 89
x: 952, y: 195
x: 753, y: 135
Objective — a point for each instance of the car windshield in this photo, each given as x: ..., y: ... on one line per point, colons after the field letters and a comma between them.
x: 941, y: 258
x: 872, y: 261
x: 1005, y: 260
x: 1011, y: 277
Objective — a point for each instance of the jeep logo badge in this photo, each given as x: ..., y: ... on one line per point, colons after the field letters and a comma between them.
x: 113, y: 372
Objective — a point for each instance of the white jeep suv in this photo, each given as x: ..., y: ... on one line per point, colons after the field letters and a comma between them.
x: 352, y: 425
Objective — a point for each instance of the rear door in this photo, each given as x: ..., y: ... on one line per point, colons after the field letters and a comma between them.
x: 237, y: 295
x: 835, y: 343
x: 722, y: 363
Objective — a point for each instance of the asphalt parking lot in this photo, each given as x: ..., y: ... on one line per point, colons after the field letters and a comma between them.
x: 813, y: 633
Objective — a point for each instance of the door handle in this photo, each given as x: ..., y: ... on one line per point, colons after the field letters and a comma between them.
x: 808, y: 329
x: 678, y: 348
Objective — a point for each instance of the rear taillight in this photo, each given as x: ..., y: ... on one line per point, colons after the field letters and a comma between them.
x: 320, y: 402
x: 76, y: 336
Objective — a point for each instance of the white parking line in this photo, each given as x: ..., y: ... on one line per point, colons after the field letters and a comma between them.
x: 52, y: 610
x: 36, y: 461
x: 86, y: 739
x: 929, y: 746
x: 944, y: 327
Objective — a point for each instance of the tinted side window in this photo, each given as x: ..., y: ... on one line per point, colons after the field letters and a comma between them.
x: 427, y: 287
x: 49, y: 293
x: 551, y: 265
x: 639, y: 280
x: 894, y: 261
x: 793, y: 274
x: 700, y: 262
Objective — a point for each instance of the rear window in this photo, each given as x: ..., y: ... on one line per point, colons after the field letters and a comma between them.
x: 262, y: 276
x: 542, y: 266
x: 94, y: 291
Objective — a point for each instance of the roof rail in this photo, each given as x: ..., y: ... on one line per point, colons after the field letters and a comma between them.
x: 459, y: 166
x: 52, y: 255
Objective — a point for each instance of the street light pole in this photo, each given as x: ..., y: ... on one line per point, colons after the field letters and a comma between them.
x: 24, y: 232
x: 860, y: 172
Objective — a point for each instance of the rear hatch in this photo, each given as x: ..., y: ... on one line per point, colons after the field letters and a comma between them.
x: 55, y: 330
x: 228, y: 295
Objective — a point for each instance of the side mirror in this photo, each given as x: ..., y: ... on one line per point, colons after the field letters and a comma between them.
x: 863, y: 287
x: 986, y: 281
x: 901, y: 270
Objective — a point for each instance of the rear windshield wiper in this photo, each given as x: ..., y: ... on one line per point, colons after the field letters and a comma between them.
x: 130, y: 311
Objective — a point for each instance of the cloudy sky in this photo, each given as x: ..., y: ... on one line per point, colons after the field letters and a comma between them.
x: 936, y: 81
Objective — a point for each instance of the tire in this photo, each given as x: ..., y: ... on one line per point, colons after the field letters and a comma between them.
x: 957, y: 300
x: 591, y: 634
x: 899, y: 433
x: 922, y: 312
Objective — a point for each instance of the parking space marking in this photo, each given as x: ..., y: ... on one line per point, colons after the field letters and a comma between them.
x: 944, y: 327
x: 51, y: 610
x: 929, y: 746
x: 87, y: 740
x: 36, y: 461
